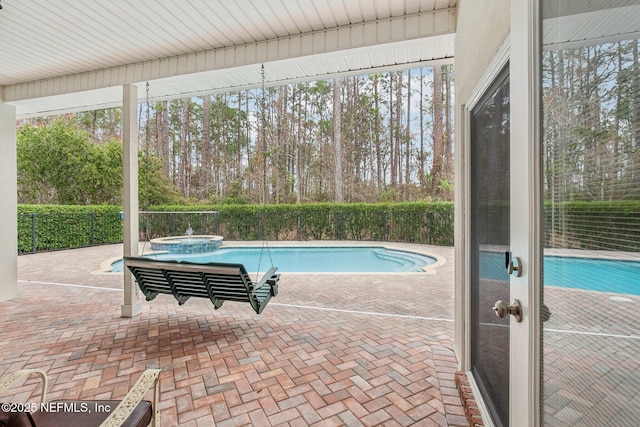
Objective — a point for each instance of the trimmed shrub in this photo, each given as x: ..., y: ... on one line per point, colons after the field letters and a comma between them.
x: 585, y: 225
x: 593, y: 225
x: 418, y: 222
x: 55, y: 227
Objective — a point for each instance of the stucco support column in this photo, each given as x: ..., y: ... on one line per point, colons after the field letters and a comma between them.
x: 132, y: 299
x: 9, y: 205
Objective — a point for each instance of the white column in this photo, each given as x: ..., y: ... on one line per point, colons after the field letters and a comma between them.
x: 132, y: 298
x: 9, y: 205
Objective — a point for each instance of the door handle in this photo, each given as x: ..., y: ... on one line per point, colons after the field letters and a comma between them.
x: 515, y: 266
x: 502, y: 309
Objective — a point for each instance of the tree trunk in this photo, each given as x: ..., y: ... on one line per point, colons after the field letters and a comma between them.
x: 448, y: 154
x: 94, y: 124
x: 162, y: 136
x: 392, y: 134
x: 205, y: 168
x: 337, y: 140
x: 634, y: 145
x: 184, y: 151
x: 239, y: 138
x: 438, y: 149
x: 298, y: 148
x: 398, y: 130
x: 407, y: 154
x: 421, y: 156
x: 263, y: 136
x: 376, y: 97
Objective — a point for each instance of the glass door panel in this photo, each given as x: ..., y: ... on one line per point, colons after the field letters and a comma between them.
x: 490, y: 207
x: 591, y: 190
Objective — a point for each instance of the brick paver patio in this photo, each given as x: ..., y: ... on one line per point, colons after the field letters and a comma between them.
x: 331, y: 349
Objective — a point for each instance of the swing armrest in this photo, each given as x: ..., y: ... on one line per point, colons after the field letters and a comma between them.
x: 149, y: 378
x: 265, y: 278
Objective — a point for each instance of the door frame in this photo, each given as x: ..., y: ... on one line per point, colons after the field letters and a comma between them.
x: 489, y: 240
x: 526, y: 219
x: 520, y: 49
x: 491, y: 73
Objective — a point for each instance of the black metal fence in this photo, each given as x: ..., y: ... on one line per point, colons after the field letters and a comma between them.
x: 38, y: 232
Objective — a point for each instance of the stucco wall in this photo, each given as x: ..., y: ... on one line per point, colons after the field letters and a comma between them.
x: 482, y: 26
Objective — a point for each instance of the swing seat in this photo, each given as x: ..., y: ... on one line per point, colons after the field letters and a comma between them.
x: 219, y: 282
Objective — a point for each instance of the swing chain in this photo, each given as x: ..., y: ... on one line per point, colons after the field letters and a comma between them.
x: 263, y: 126
x: 146, y: 184
x: 264, y: 243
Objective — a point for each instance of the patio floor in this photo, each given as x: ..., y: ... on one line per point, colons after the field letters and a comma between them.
x: 330, y: 349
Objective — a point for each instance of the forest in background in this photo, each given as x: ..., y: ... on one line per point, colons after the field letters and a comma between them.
x: 394, y: 134
x: 591, y: 122
x: 367, y: 138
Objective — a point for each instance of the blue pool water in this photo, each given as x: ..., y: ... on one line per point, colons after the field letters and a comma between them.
x: 352, y: 259
x: 592, y: 274
x: 602, y: 275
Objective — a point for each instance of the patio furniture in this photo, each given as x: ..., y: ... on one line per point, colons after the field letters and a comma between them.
x: 131, y: 411
x: 219, y: 282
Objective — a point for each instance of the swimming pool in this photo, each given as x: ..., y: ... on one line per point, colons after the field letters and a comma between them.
x: 306, y: 259
x: 591, y: 274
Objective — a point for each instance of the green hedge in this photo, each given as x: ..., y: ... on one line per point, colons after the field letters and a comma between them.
x: 585, y: 225
x: 593, y: 225
x: 407, y: 222
x: 55, y: 227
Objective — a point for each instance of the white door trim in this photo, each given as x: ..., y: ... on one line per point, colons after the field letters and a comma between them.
x: 463, y: 250
x: 463, y: 255
x: 521, y: 50
x: 482, y: 407
x: 526, y: 212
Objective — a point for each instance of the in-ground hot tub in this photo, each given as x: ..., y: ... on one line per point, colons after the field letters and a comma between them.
x: 186, y: 244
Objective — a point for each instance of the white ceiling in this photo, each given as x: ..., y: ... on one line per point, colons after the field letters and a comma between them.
x: 66, y: 55
x: 578, y: 24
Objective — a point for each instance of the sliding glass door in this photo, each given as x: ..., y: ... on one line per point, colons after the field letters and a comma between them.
x: 591, y: 192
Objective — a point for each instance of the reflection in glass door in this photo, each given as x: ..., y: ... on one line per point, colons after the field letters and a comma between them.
x: 591, y: 189
x: 490, y: 207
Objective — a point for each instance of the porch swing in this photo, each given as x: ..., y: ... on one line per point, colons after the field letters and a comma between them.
x: 219, y: 282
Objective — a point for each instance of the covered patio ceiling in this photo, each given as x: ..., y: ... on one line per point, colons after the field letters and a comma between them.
x: 66, y: 56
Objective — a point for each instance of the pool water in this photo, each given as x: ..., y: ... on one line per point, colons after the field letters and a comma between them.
x: 591, y: 274
x: 602, y: 275
x: 352, y: 259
